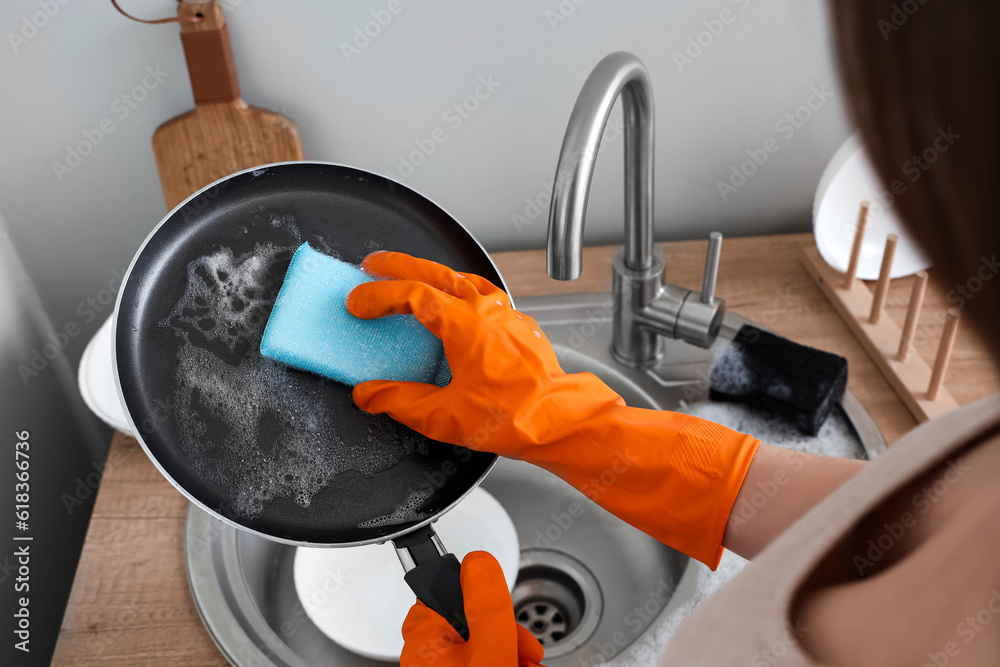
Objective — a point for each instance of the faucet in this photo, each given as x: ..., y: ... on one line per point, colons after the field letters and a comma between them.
x: 645, y: 308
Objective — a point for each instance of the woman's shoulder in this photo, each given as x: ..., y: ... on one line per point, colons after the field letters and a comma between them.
x: 924, y: 566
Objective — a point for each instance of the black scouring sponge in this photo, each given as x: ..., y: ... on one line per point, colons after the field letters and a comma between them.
x: 770, y: 373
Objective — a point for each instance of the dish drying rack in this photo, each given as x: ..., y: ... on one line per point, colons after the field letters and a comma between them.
x: 918, y: 385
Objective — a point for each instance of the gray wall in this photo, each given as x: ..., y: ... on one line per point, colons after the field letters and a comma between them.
x: 75, y: 230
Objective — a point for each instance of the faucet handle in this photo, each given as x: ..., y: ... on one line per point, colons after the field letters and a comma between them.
x: 711, y: 268
x: 699, y: 317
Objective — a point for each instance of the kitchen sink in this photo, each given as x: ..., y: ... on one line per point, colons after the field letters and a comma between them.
x: 589, y: 585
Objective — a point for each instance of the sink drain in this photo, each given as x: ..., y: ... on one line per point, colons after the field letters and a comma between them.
x: 557, y: 599
x: 545, y: 620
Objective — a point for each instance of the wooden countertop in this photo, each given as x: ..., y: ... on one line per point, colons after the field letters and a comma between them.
x: 130, y: 604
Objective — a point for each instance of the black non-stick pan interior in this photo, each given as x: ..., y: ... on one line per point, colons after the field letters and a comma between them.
x: 279, y: 451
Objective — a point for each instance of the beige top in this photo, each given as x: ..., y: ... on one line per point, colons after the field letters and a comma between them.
x: 749, y: 620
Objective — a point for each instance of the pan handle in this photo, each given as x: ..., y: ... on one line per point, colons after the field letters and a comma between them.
x: 433, y: 575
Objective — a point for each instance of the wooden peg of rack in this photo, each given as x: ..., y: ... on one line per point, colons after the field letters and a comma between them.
x: 945, y: 348
x: 912, y: 314
x: 884, y: 276
x: 920, y: 388
x: 859, y: 237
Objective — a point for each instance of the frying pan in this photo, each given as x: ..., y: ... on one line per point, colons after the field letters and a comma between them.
x: 285, y: 454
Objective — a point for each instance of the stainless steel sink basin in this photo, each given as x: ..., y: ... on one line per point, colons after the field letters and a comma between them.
x: 589, y: 585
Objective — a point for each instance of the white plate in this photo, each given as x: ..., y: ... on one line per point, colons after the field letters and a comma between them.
x: 96, y: 380
x: 847, y: 181
x: 357, y: 596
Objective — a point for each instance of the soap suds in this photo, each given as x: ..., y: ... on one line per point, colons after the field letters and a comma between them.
x: 835, y: 438
x: 650, y: 649
x: 730, y: 373
x: 781, y: 391
x: 250, y: 424
x: 407, y: 511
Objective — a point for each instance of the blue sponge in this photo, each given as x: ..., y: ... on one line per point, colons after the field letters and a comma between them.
x: 311, y: 329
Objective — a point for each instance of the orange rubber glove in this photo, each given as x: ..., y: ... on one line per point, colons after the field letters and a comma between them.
x: 495, y: 638
x: 673, y: 476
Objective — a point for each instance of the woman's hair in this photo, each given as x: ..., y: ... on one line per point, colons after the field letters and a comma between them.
x: 923, y: 84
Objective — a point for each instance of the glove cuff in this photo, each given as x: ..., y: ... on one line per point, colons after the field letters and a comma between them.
x: 673, y: 476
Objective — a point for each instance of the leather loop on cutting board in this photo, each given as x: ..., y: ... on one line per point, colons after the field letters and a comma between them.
x: 210, y: 63
x: 172, y: 19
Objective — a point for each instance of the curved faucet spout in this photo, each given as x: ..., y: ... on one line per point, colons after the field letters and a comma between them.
x: 617, y: 74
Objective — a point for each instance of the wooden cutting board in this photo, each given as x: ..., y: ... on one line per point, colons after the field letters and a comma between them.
x: 222, y: 134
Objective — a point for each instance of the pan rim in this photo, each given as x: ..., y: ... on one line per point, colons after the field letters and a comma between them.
x: 137, y: 433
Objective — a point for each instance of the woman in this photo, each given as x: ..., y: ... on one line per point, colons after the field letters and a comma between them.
x: 896, y: 562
